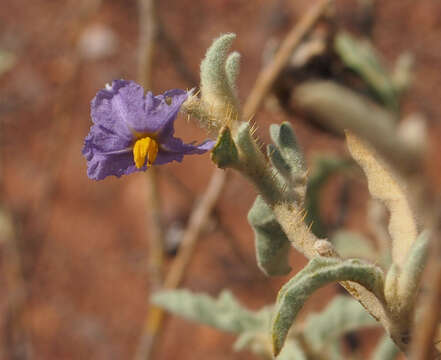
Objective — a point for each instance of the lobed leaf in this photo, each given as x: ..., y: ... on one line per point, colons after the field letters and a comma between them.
x: 286, y: 142
x: 225, y: 313
x: 319, y: 272
x: 272, y: 245
x: 232, y: 69
x: 414, y: 266
x: 216, y: 88
x: 278, y: 161
x: 288, y: 162
x: 253, y: 164
x: 384, y: 185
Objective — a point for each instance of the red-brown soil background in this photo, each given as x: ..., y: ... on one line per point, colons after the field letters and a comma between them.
x: 83, y: 243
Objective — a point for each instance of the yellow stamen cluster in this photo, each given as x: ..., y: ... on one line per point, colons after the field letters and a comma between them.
x: 145, y: 148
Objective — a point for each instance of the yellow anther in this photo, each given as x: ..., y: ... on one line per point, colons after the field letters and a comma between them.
x: 145, y: 148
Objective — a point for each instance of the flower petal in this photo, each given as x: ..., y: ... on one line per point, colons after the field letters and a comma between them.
x: 103, y: 140
x: 121, y: 115
x: 111, y: 111
x: 167, y: 112
x: 175, y: 149
x: 100, y: 166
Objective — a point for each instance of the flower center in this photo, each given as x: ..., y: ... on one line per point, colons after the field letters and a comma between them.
x: 145, y: 148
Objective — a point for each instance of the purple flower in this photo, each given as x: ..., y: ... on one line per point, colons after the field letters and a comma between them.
x: 132, y: 131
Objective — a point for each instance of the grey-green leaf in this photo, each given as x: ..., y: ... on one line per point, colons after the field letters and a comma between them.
x: 215, y: 84
x: 224, y: 313
x: 278, y: 161
x: 254, y: 165
x: 361, y: 57
x: 284, y: 138
x: 409, y: 279
x: 232, y: 68
x: 272, y: 245
x: 319, y: 272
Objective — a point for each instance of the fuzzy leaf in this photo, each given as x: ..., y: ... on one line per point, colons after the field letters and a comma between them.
x: 284, y: 138
x: 342, y: 315
x: 215, y: 84
x: 224, y: 153
x: 232, y: 68
x: 278, y: 161
x: 401, y: 285
x: 361, y: 57
x: 384, y: 185
x: 319, y: 272
x: 253, y: 164
x: 288, y: 162
x: 413, y: 267
x: 386, y: 349
x: 353, y: 245
x: 272, y: 245
x: 225, y: 313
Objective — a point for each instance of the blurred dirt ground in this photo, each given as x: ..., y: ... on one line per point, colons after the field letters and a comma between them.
x: 83, y: 244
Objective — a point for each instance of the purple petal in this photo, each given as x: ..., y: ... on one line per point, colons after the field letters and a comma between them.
x: 174, y: 149
x: 167, y: 113
x: 103, y: 140
x: 101, y: 165
x: 173, y: 144
x: 119, y: 112
x: 123, y: 107
x: 110, y: 111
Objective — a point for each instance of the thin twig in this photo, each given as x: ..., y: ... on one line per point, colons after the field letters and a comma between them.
x: 148, y: 30
x: 270, y: 73
x: 203, y: 209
